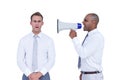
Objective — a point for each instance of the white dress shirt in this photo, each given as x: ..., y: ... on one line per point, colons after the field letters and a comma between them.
x: 91, y: 51
x: 46, y: 53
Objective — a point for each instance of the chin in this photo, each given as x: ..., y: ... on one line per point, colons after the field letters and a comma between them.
x: 37, y: 30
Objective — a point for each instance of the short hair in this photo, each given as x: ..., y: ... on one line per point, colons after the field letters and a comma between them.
x: 95, y: 17
x: 36, y: 14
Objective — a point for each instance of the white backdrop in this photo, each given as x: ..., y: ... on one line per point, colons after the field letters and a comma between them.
x: 14, y: 24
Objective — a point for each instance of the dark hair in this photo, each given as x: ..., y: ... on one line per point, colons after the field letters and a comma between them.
x: 36, y: 14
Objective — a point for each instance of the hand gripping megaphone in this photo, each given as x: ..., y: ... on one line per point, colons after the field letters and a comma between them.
x: 65, y: 26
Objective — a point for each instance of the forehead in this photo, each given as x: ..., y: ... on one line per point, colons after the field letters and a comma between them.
x: 88, y: 16
x: 35, y: 17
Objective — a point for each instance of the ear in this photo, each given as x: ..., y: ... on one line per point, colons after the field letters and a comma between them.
x: 94, y: 21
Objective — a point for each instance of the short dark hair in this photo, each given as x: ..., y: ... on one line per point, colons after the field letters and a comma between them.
x: 36, y: 14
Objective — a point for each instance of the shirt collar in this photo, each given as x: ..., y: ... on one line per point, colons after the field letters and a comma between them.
x: 39, y: 35
x: 92, y: 32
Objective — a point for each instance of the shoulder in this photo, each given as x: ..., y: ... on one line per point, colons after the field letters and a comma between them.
x: 96, y: 35
x: 46, y: 39
x: 99, y: 34
x: 26, y: 37
x: 44, y: 36
x: 99, y: 37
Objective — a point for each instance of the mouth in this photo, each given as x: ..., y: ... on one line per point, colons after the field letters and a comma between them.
x: 36, y: 27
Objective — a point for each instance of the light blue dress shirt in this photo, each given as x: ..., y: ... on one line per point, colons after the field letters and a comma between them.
x: 91, y: 51
x: 46, y: 53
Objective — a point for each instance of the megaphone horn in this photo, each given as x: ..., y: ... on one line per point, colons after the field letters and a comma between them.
x: 64, y: 26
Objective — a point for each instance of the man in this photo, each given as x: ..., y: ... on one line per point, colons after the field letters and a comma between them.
x: 90, y: 50
x: 39, y: 48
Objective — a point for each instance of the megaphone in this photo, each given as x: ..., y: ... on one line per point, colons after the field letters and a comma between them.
x: 65, y: 26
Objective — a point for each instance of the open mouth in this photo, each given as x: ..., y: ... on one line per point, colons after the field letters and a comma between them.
x: 36, y: 27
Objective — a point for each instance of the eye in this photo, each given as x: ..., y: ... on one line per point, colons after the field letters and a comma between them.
x: 85, y: 20
x: 35, y: 21
x: 39, y: 21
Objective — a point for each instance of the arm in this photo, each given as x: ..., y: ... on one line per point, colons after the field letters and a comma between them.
x: 50, y: 57
x: 92, y: 44
x: 21, y: 59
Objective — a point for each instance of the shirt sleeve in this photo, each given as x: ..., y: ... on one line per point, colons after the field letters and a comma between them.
x: 51, y: 58
x: 89, y: 48
x: 21, y: 59
x: 77, y: 44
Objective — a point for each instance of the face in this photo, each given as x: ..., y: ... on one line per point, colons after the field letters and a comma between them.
x: 87, y: 22
x: 36, y: 24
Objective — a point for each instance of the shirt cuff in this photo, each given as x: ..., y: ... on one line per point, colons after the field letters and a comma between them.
x: 27, y: 72
x: 43, y: 71
x: 75, y: 41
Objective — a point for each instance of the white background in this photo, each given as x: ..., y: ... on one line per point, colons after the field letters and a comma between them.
x: 14, y: 24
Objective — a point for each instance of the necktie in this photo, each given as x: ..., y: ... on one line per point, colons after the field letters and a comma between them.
x: 84, y: 39
x: 79, y: 59
x: 34, y: 57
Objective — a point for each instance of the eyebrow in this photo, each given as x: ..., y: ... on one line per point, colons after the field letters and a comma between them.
x: 37, y: 20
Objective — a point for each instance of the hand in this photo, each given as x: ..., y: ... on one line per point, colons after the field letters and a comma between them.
x: 39, y: 74
x: 35, y: 76
x: 72, y: 34
x: 32, y: 76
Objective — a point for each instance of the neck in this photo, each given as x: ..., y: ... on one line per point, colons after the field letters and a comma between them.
x: 92, y: 29
x: 36, y: 32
